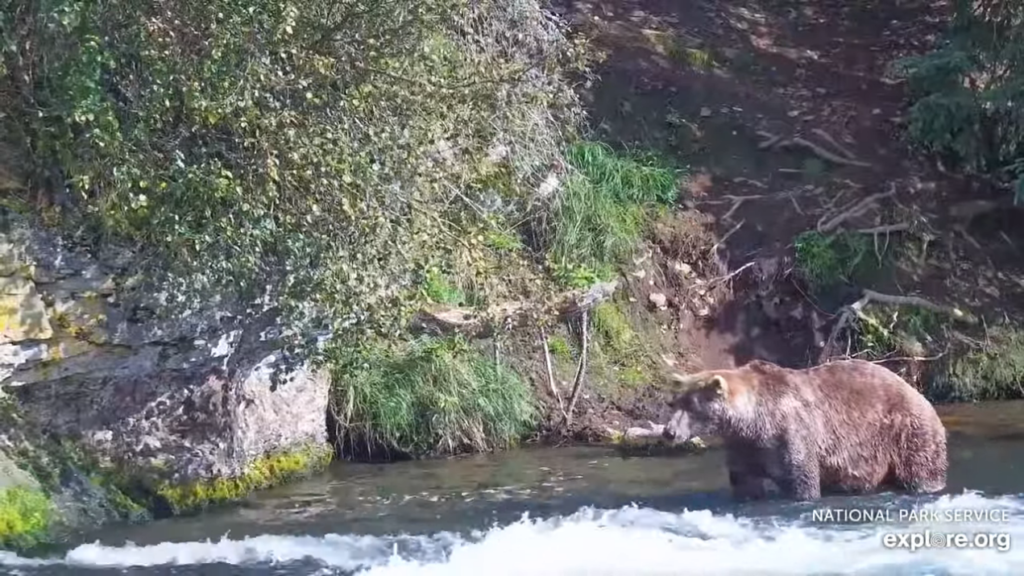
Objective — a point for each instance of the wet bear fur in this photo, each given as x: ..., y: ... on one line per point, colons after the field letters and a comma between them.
x: 846, y: 427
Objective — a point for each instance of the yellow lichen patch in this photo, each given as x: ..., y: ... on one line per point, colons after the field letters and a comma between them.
x: 266, y: 472
x: 23, y: 317
x: 25, y: 516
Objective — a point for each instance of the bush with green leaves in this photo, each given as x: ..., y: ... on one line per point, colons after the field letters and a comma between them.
x: 318, y: 156
x: 967, y: 93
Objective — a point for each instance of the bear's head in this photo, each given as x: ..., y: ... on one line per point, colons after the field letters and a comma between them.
x: 700, y: 402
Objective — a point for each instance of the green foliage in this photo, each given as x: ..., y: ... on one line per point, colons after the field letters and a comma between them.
x: 600, y: 215
x: 559, y: 347
x: 318, y: 154
x: 991, y: 370
x: 825, y: 261
x: 431, y: 396
x: 25, y: 517
x: 884, y: 331
x: 968, y: 92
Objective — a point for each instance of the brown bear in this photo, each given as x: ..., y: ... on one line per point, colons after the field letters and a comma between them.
x: 849, y: 427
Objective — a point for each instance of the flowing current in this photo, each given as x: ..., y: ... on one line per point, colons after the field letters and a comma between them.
x: 585, y: 511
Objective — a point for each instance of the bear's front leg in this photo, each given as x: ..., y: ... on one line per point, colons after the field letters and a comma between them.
x: 747, y: 487
x: 801, y: 473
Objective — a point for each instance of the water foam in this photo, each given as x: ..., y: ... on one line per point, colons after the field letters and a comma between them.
x: 628, y: 541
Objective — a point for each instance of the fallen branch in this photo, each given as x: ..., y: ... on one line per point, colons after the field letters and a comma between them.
x: 825, y: 154
x: 888, y: 228
x: 835, y: 144
x: 730, y: 275
x: 769, y: 140
x: 476, y: 324
x: 857, y: 209
x: 856, y: 309
x: 551, y: 372
x: 714, y: 249
x: 581, y: 369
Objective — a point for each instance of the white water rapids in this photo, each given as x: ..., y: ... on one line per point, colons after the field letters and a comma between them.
x: 629, y: 541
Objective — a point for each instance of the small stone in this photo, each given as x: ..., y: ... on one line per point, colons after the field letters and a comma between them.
x: 658, y: 299
x: 705, y: 112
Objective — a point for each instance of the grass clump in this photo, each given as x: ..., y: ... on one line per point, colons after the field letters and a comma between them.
x: 824, y: 261
x: 600, y: 215
x: 618, y: 345
x: 25, y: 517
x: 427, y: 397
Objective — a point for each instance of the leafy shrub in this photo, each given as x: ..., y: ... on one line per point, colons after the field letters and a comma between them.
x: 968, y: 92
x: 317, y: 156
x: 431, y: 396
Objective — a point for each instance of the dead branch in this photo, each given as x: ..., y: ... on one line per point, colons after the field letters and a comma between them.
x: 581, y: 369
x: 714, y: 249
x: 856, y: 310
x: 769, y: 140
x: 888, y: 228
x: 825, y: 154
x: 857, y: 209
x: 730, y: 276
x: 551, y: 372
x: 448, y: 320
x: 835, y: 144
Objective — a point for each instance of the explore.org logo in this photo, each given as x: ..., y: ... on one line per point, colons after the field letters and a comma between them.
x: 932, y: 539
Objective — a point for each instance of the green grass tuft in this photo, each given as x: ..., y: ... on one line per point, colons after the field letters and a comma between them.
x: 433, y: 397
x: 600, y: 215
x: 826, y: 261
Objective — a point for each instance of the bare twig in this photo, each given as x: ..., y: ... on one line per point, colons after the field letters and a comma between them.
x: 835, y: 144
x: 551, y: 372
x: 581, y: 369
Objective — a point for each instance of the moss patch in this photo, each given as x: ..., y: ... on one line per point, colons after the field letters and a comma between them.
x: 25, y: 517
x: 266, y: 472
x: 824, y: 262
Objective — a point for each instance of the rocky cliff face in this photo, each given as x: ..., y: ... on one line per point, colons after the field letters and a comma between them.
x: 177, y: 411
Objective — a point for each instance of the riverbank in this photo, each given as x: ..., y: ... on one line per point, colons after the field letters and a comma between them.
x: 460, y: 514
x: 520, y: 293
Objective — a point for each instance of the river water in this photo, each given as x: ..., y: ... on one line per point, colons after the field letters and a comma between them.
x: 579, y: 511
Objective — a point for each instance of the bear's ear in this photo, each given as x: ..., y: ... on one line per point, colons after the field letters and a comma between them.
x: 718, y: 384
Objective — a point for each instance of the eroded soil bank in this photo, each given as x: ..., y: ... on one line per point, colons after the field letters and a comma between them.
x: 792, y: 122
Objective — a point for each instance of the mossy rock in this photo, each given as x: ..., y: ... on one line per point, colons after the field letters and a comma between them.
x: 266, y: 472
